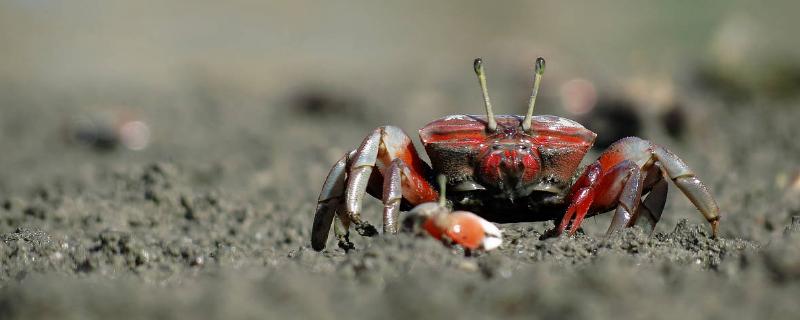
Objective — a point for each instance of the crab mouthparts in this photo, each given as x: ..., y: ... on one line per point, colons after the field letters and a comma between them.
x: 506, y: 170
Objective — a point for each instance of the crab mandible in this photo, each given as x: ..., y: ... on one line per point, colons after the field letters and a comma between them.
x: 505, y: 168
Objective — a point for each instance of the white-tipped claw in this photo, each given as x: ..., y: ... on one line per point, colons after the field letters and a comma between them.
x: 459, y: 227
x: 493, y: 236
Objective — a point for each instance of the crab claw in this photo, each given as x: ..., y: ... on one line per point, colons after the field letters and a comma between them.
x: 465, y: 229
x: 459, y: 227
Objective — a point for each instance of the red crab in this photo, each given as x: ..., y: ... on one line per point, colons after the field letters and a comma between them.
x: 504, y: 168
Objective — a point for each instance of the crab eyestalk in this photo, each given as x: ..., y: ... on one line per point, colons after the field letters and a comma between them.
x: 478, y: 66
x: 537, y: 80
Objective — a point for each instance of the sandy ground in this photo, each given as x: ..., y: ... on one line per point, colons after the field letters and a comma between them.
x: 216, y: 222
x: 213, y: 218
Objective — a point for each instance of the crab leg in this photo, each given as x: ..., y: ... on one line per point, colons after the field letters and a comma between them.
x: 581, y: 199
x: 619, y: 178
x: 358, y: 178
x: 689, y: 184
x: 401, y: 178
x: 330, y: 200
x: 392, y: 195
x: 620, y: 186
x: 380, y: 149
x: 629, y: 175
x: 651, y: 207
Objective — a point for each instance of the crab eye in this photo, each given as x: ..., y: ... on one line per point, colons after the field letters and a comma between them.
x: 497, y: 146
x: 522, y: 147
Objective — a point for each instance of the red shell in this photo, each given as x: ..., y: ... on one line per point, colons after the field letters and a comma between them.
x: 453, y: 142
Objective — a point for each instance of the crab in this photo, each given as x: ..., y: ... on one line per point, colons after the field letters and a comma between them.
x: 503, y: 168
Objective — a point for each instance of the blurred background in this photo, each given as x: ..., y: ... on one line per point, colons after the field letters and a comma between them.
x: 270, y: 93
x: 265, y: 47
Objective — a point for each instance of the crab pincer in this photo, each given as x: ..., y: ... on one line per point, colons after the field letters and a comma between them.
x: 461, y: 228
